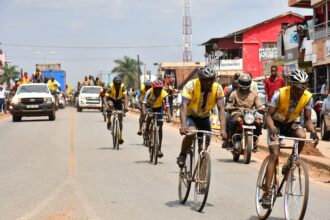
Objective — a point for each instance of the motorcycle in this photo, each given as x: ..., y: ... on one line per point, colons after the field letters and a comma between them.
x: 61, y: 101
x: 244, y: 139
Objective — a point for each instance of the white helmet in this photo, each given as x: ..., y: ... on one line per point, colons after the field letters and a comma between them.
x: 298, y: 76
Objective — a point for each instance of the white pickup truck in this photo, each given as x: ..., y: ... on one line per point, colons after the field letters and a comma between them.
x: 32, y: 100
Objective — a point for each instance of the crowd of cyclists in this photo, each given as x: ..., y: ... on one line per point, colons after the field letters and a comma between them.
x: 201, y: 95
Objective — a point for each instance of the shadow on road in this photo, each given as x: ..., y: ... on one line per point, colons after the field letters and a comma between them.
x: 231, y: 161
x: 269, y: 218
x: 191, y: 204
x: 146, y: 161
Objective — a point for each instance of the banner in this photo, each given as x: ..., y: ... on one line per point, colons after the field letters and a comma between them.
x: 229, y: 65
x: 267, y: 54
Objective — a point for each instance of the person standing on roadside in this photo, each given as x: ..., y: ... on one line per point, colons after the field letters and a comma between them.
x: 2, y: 99
x: 273, y: 83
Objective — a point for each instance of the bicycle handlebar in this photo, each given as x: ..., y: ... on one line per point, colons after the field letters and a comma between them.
x: 296, y: 139
x: 202, y: 131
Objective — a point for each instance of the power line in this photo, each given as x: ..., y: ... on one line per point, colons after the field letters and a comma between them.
x: 93, y: 47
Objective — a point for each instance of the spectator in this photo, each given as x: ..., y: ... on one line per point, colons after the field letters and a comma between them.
x: 254, y: 85
x: 86, y: 81
x: 2, y: 99
x: 273, y: 83
x: 324, y: 86
x: 37, y: 76
x: 25, y: 78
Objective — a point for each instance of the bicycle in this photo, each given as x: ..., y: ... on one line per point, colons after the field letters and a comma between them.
x: 153, y: 139
x: 115, y: 130
x: 201, y: 174
x: 297, y: 184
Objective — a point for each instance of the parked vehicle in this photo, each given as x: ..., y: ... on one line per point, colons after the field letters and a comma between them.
x: 32, y: 100
x: 89, y: 97
x: 325, y: 119
x: 245, y: 139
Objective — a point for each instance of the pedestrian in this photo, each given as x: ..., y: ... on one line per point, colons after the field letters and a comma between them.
x: 324, y: 86
x: 273, y: 83
x: 2, y: 99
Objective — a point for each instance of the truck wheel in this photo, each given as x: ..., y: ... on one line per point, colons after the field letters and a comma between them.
x: 52, y: 116
x: 16, y: 118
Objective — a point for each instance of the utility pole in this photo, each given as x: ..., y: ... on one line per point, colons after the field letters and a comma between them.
x: 138, y: 71
x: 187, y: 32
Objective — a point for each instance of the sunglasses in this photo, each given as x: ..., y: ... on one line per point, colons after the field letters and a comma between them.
x: 301, y: 86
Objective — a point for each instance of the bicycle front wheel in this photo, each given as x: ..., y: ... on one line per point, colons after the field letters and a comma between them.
x: 202, y: 181
x: 117, y: 133
x: 185, y: 177
x: 262, y: 212
x: 296, y: 192
x: 156, y: 144
x: 113, y: 132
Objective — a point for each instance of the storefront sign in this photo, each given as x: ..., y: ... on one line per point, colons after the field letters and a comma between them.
x: 230, y: 65
x: 267, y: 54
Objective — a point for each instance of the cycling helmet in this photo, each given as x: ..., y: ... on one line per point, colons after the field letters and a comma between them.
x: 16, y: 79
x: 117, y: 80
x: 236, y: 76
x: 147, y: 83
x: 244, y: 81
x: 157, y: 84
x: 206, y: 73
x: 298, y: 76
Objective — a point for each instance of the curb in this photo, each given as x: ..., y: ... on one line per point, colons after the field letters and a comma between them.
x: 308, y: 159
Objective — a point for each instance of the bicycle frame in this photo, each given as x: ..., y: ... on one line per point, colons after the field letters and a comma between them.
x: 294, y: 157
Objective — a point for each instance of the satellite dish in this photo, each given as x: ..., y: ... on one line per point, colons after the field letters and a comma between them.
x: 218, y: 53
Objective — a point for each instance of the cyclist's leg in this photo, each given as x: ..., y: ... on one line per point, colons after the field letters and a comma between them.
x: 148, y: 120
x: 110, y: 108
x: 274, y: 151
x: 118, y: 105
x: 299, y: 132
x: 203, y: 124
x: 160, y: 124
x: 140, y: 120
x: 186, y: 142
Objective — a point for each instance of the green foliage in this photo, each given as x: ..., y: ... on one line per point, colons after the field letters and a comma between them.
x: 127, y: 69
x: 9, y: 74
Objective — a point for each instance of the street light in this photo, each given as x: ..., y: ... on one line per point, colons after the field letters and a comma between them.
x: 44, y: 56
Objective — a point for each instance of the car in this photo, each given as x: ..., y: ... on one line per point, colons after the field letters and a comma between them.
x: 89, y: 98
x: 325, y: 119
x: 32, y: 100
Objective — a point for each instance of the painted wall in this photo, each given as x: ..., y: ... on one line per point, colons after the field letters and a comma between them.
x: 254, y: 38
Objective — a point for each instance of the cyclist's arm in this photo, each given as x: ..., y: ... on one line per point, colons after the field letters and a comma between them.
x: 269, y: 117
x: 221, y: 114
x: 183, y: 112
x: 308, y: 120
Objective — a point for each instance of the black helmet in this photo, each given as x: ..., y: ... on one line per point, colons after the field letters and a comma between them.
x: 147, y: 83
x: 117, y: 80
x: 298, y: 76
x: 206, y: 73
x: 244, y: 81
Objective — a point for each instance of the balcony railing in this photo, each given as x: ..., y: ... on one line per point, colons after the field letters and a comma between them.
x: 320, y: 31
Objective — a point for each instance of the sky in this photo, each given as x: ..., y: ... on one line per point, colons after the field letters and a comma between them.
x: 86, y: 36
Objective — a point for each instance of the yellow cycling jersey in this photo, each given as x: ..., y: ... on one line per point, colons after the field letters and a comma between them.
x: 192, y: 92
x: 143, y: 92
x: 154, y: 102
x: 281, y: 113
x: 112, y: 93
x: 53, y: 85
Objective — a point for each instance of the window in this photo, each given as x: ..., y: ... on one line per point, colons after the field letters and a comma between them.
x: 269, y: 45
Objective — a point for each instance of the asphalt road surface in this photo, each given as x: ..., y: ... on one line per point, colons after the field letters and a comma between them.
x: 67, y: 169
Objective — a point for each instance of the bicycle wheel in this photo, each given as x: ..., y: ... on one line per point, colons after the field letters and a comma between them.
x: 185, y: 177
x: 262, y: 212
x: 113, y: 132
x: 156, y: 144
x: 150, y: 141
x: 248, y: 149
x: 296, y: 192
x: 117, y: 133
x: 202, y: 181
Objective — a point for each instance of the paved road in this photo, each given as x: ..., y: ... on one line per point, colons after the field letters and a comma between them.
x: 67, y: 169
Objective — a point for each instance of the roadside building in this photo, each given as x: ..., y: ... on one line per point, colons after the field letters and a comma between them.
x: 252, y: 49
x: 319, y: 33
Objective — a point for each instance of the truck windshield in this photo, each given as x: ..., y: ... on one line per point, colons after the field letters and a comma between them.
x: 34, y: 88
x: 93, y: 90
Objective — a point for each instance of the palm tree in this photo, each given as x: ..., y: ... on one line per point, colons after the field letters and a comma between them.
x: 9, y: 73
x: 127, y: 69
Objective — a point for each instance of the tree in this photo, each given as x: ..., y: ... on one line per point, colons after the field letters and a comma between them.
x: 9, y: 73
x: 127, y: 69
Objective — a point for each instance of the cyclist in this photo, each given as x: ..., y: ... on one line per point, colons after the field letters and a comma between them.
x: 139, y: 98
x: 102, y: 94
x: 285, y: 107
x: 243, y: 97
x: 199, y: 96
x: 54, y: 87
x: 115, y: 97
x: 153, y: 101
